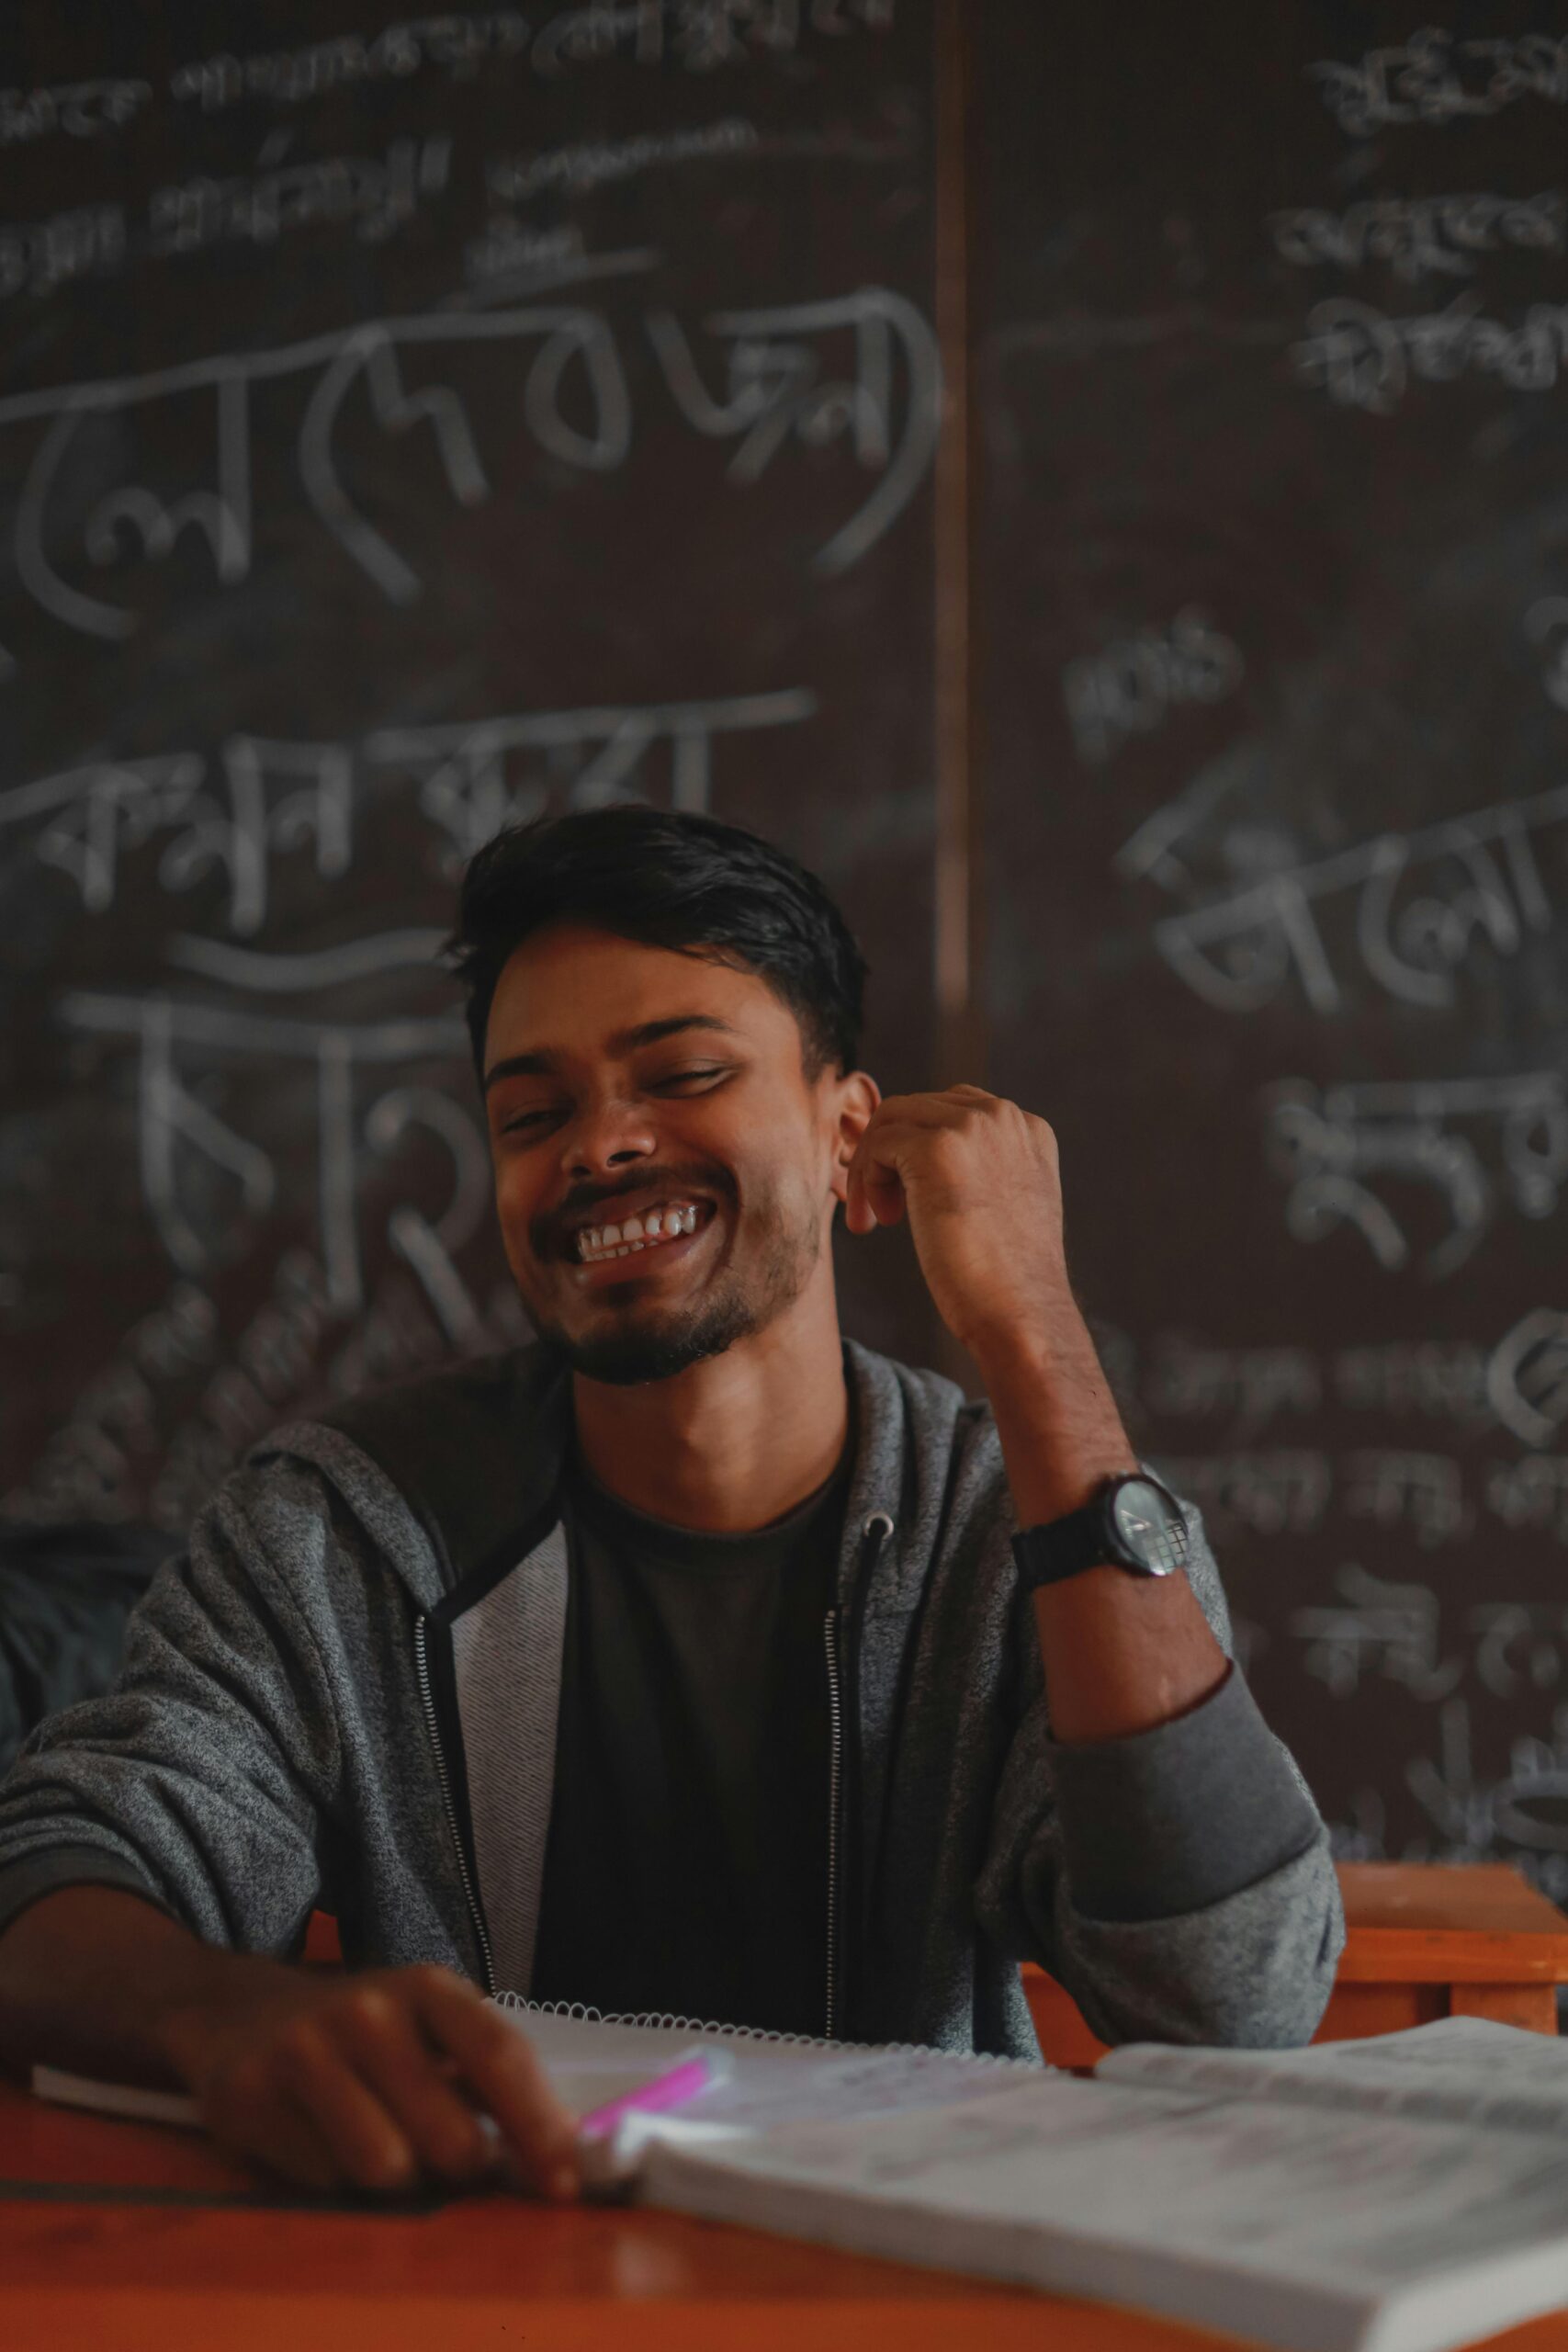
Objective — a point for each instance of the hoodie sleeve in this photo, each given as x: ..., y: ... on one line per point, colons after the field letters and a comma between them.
x: 1177, y: 1881
x: 203, y: 1779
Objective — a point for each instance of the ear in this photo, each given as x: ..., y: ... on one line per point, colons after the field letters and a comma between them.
x: 859, y: 1095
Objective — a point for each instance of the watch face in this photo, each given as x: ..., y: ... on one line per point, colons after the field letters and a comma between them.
x: 1151, y: 1526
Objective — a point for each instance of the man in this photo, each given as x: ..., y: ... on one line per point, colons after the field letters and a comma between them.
x: 687, y: 1660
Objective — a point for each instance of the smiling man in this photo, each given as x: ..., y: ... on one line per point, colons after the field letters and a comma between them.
x: 694, y: 1659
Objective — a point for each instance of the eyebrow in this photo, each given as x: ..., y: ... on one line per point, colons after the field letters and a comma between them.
x: 547, y: 1060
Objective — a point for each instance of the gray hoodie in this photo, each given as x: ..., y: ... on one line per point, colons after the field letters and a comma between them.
x: 346, y: 1693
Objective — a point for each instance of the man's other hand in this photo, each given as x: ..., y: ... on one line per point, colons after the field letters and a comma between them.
x: 375, y: 2082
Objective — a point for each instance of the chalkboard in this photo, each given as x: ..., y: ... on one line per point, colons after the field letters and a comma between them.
x: 1271, y: 366
x: 407, y: 426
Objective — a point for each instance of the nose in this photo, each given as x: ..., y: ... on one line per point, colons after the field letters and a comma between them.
x: 607, y: 1136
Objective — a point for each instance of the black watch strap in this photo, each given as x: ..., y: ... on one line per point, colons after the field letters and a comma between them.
x: 1064, y: 1547
x: 1156, y: 1542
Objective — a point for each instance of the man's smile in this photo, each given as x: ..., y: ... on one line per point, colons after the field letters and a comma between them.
x: 664, y: 1235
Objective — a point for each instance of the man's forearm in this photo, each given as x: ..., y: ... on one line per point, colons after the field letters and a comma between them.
x: 89, y: 1977
x: 1121, y: 1653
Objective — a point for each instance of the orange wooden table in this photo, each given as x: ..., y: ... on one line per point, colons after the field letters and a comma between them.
x: 1423, y: 1940
x: 83, y: 2271
x: 121, y: 2237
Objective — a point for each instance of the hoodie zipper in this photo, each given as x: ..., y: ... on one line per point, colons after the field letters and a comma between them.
x: 875, y: 1532
x: 835, y: 1784
x: 422, y: 1668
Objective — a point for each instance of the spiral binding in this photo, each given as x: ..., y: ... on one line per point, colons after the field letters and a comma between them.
x: 583, y: 2013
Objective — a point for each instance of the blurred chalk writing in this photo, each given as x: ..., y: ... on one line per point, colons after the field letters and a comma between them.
x: 1131, y: 687
x: 1328, y: 1142
x: 1546, y: 624
x: 700, y: 35
x: 1365, y: 359
x: 372, y: 195
x: 1376, y: 1627
x: 1434, y: 79
x: 1417, y: 237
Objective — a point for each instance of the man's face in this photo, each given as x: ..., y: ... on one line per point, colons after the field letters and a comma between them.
x: 626, y: 1084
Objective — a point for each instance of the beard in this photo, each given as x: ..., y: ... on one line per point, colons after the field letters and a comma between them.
x: 656, y: 1344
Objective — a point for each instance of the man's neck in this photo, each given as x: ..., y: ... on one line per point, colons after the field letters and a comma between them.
x: 733, y: 1443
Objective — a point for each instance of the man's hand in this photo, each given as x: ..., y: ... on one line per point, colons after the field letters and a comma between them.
x: 371, y: 2082
x: 980, y: 1181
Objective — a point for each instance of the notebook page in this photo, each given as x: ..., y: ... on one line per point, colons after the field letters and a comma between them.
x: 1291, y: 2224
x: 1455, y: 2070
x: 768, y: 2082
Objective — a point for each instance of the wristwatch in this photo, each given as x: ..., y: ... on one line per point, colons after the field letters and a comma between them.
x: 1133, y: 1523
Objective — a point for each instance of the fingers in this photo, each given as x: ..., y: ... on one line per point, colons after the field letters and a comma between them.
x: 363, y: 2142
x: 438, y: 2126
x: 377, y: 2086
x: 504, y: 2077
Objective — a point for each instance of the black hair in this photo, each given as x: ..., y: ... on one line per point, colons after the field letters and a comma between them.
x: 666, y: 879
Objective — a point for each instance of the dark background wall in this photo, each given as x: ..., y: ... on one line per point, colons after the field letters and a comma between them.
x: 411, y: 424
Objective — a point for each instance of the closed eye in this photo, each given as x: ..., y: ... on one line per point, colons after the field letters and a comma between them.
x: 682, y: 1078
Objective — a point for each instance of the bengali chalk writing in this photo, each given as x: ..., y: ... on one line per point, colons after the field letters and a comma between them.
x: 1526, y: 1376
x: 457, y: 45
x: 374, y: 196
x: 1188, y: 1378
x: 779, y: 391
x: 700, y: 36
x: 208, y: 1188
x: 1132, y: 687
x: 153, y: 1433
x: 1526, y: 1806
x: 233, y: 813
x: 585, y: 164
x: 1523, y: 1646
x: 1364, y: 360
x: 1294, y: 1489
x: 1390, y: 1629
x: 1532, y: 1493
x: 1395, y: 1487
x: 1278, y: 1491
x: 1332, y: 1144
x: 1417, y: 237
x: 1546, y: 624
x: 77, y: 109
x: 1240, y: 953
x: 773, y: 391
x: 1434, y: 79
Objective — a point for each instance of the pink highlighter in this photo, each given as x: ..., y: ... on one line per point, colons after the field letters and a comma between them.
x: 682, y: 2083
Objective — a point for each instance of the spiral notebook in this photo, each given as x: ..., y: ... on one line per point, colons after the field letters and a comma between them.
x: 769, y: 2079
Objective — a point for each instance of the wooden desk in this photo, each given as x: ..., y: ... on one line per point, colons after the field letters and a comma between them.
x: 81, y: 2273
x: 1423, y: 1940
x: 114, y: 2238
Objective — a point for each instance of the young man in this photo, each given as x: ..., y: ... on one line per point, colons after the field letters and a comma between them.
x: 686, y: 1661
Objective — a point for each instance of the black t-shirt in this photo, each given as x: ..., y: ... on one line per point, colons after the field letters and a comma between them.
x: 687, y: 1865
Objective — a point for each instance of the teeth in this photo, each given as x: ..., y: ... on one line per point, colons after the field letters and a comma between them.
x: 600, y: 1241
